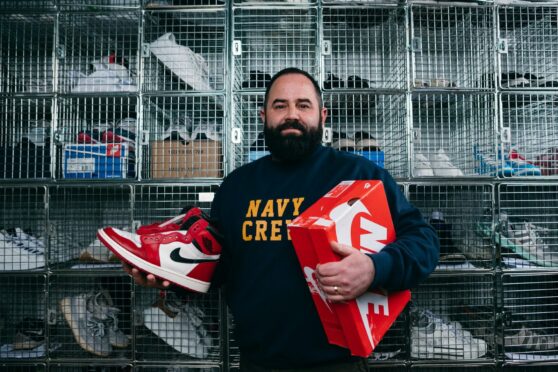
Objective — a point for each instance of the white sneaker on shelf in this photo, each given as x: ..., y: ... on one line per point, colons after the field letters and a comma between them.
x: 421, y: 166
x: 190, y: 67
x: 442, y: 165
x: 106, y: 78
x: 20, y: 254
x: 96, y: 252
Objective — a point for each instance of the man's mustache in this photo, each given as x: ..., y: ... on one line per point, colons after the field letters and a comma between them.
x: 291, y: 124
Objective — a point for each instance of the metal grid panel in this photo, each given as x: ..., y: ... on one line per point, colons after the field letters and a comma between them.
x: 546, y: 367
x: 185, y: 137
x: 454, y: 368
x: 530, y: 37
x: 530, y: 321
x: 160, y: 203
x: 86, y: 367
x: 527, y: 229
x: 453, y: 135
x: 184, y: 50
x: 97, y: 5
x: 177, y: 327
x: 249, y: 144
x: 374, y: 2
x: 366, y: 48
x: 19, y: 5
x: 96, y: 137
x: 22, y: 368
x: 268, y: 40
x: 173, y: 4
x: 175, y: 368
x: 98, y: 52
x: 26, y: 41
x: 22, y: 318
x: 75, y: 215
x: 25, y: 133
x: 453, y: 318
x: 453, y: 46
x: 22, y: 229
x: 90, y: 317
x: 274, y: 2
x: 355, y: 116
x: 455, y: 211
x: 532, y: 146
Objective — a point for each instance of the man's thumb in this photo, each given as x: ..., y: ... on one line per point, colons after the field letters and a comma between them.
x: 342, y: 249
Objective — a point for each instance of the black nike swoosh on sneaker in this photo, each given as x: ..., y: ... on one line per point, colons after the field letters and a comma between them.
x: 175, y: 256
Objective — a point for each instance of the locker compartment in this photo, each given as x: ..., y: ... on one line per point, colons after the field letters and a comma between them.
x: 526, y: 229
x: 266, y: 40
x: 531, y: 148
x: 8, y: 367
x: 27, y: 44
x: 273, y: 2
x: 23, y: 240
x: 185, y: 137
x: 96, y: 137
x: 539, y: 367
x: 176, y: 368
x: 180, y: 4
x: 98, y: 5
x: 452, y: 318
x: 90, y: 367
x: 364, y: 48
x: 184, y: 50
x: 453, y: 368
x: 455, y: 212
x: 530, y: 327
x: 453, y: 135
x: 75, y: 215
x: 370, y: 125
x: 528, y: 36
x: 25, y: 138
x: 23, y: 318
x: 183, y: 326
x: 16, y: 6
x: 160, y: 203
x: 90, y: 317
x: 98, y: 52
x: 452, y: 47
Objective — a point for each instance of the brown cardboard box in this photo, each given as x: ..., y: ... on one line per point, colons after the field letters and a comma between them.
x: 176, y: 159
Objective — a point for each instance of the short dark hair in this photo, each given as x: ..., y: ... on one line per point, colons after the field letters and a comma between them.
x: 294, y: 70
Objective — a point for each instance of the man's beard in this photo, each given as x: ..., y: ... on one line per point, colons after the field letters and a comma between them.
x: 292, y: 148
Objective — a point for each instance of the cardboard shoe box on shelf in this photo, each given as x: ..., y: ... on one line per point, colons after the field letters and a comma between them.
x: 178, y: 159
x: 111, y: 160
x: 355, y: 213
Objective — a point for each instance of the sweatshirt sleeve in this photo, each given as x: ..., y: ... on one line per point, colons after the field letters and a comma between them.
x: 414, y: 254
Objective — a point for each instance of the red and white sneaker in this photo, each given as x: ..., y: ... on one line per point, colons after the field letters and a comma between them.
x: 181, y: 222
x: 186, y: 258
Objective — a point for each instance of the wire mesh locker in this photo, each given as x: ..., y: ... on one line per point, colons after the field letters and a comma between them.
x: 185, y: 137
x: 15, y: 6
x: 7, y: 367
x: 184, y: 50
x: 25, y: 137
x: 527, y: 228
x: 530, y: 323
x: 266, y: 40
x: 453, y: 135
x: 531, y: 367
x: 98, y: 52
x: 75, y: 215
x: 22, y: 318
x: 96, y: 137
x: 26, y: 44
x: 364, y: 48
x: 247, y: 140
x: 370, y: 125
x: 452, y: 46
x: 177, y: 4
x: 98, y: 5
x: 89, y: 367
x: 528, y: 36
x: 273, y: 2
x: 457, y: 213
x: 163, y: 202
x: 452, y: 318
x: 22, y: 228
x: 177, y: 326
x: 90, y: 317
x: 176, y: 368
x: 453, y: 368
x: 531, y: 143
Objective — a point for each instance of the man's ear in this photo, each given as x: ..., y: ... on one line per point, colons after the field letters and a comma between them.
x: 324, y: 115
x: 262, y: 115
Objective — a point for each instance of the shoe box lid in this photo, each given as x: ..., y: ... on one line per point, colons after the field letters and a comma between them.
x: 355, y: 213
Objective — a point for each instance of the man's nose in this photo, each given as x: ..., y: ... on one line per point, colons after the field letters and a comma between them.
x: 292, y: 112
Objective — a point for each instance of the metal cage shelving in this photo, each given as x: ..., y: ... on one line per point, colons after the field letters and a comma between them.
x: 122, y: 112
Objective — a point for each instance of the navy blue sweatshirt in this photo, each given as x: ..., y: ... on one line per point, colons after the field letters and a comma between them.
x: 277, y: 325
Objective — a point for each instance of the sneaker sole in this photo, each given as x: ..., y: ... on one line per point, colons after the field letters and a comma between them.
x: 66, y: 308
x: 131, y: 259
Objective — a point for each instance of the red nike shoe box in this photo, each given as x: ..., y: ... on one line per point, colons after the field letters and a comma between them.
x: 355, y: 213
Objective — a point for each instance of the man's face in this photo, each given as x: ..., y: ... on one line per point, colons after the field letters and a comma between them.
x: 293, y: 118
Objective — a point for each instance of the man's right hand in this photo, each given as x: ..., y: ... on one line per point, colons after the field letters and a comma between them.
x: 146, y: 280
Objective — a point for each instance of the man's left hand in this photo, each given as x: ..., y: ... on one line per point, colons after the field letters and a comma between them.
x: 348, y: 278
